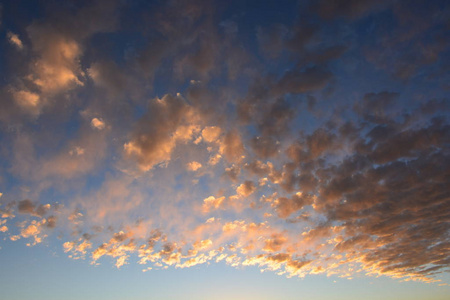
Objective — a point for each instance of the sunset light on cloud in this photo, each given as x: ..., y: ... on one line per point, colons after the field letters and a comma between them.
x: 225, y: 149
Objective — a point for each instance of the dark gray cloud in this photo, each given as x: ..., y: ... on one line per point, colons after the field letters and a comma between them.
x: 352, y: 9
x: 233, y: 148
x: 303, y: 81
x: 389, y: 191
x: 156, y: 135
x: 286, y: 206
x: 375, y: 106
x: 28, y: 207
x: 417, y: 45
x: 265, y: 146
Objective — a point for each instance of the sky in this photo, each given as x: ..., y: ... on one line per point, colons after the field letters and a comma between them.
x: 224, y: 149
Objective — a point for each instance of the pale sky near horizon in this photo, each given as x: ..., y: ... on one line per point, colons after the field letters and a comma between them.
x: 224, y: 149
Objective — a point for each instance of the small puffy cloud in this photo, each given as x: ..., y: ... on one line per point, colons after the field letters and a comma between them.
x: 246, y: 189
x: 77, y: 249
x: 233, y: 172
x: 186, y: 132
x: 57, y: 66
x: 3, y: 227
x: 211, y: 134
x: 232, y: 146
x: 28, y: 101
x: 98, y: 123
x: 68, y: 246
x: 287, y: 206
x: 274, y: 243
x: 14, y: 39
x: 212, y: 202
x: 51, y: 221
x: 118, y: 247
x: 148, y: 159
x: 214, y: 159
x: 263, y: 181
x: 168, y: 121
x: 77, y: 151
x: 203, y: 244
x: 32, y: 230
x: 28, y: 207
x: 193, y: 166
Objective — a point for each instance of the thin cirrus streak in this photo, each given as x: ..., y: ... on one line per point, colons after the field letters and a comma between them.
x: 285, y: 157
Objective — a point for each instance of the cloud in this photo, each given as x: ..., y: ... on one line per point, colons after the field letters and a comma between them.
x: 28, y: 207
x: 156, y: 134
x: 77, y: 151
x: 232, y: 146
x: 69, y: 159
x: 31, y: 230
x: 52, y: 65
x: 108, y: 75
x: 214, y: 159
x: 15, y: 40
x: 193, y: 166
x: 8, y: 210
x: 97, y: 123
x: 265, y: 147
x: 211, y: 133
x: 274, y: 243
x: 302, y: 81
x: 286, y: 206
x: 415, y: 24
x: 352, y: 9
x: 212, y: 202
x: 28, y: 101
x: 3, y: 227
x: 302, y: 159
x: 57, y: 67
x: 375, y: 106
x: 77, y: 249
x: 118, y: 247
x: 246, y: 189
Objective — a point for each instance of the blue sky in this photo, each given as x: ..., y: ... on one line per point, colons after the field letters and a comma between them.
x: 217, y: 150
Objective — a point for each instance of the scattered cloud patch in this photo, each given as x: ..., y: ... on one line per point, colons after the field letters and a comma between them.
x: 98, y: 123
x: 15, y: 40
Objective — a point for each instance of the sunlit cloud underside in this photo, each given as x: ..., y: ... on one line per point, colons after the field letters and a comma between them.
x: 179, y: 134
